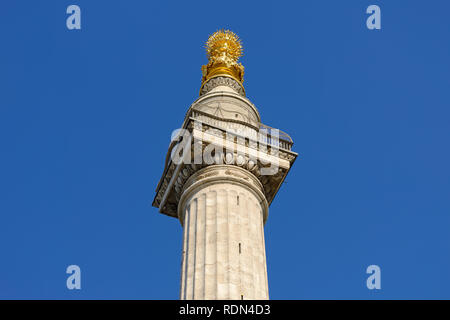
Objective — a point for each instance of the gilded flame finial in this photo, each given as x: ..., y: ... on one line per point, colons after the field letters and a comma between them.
x: 223, y: 50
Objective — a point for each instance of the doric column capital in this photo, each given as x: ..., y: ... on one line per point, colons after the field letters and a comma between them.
x: 216, y: 174
x: 210, y: 140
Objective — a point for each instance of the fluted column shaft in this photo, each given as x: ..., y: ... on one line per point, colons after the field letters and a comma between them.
x: 223, y: 217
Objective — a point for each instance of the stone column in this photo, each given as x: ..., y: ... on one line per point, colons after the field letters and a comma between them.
x: 223, y: 209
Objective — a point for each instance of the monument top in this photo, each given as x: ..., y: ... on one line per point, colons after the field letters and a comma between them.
x: 223, y: 50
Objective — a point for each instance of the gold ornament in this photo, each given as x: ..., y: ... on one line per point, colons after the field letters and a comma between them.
x: 223, y: 50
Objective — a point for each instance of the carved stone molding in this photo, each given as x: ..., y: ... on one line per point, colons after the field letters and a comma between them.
x: 222, y: 81
x: 177, y: 177
x: 234, y: 143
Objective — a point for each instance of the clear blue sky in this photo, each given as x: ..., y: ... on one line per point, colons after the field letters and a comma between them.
x: 83, y: 143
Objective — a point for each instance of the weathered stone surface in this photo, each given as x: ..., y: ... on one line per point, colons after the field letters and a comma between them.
x: 223, y: 241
